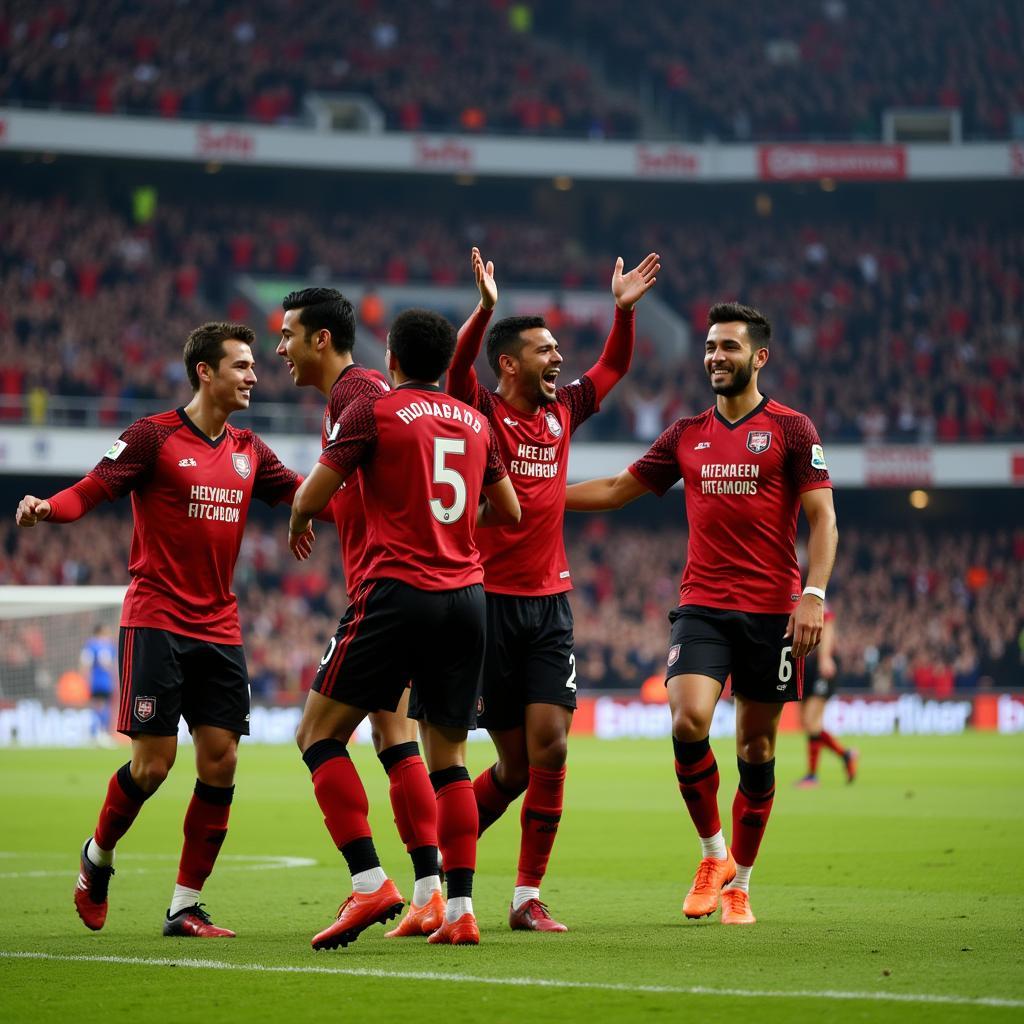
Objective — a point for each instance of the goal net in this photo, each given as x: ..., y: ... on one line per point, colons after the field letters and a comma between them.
x: 43, y: 631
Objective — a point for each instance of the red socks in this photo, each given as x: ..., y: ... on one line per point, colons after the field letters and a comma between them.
x: 540, y: 815
x: 751, y: 809
x: 457, y: 818
x: 206, y: 826
x: 412, y: 796
x: 813, y: 754
x: 492, y: 798
x: 697, y: 774
x: 339, y: 791
x: 120, y: 808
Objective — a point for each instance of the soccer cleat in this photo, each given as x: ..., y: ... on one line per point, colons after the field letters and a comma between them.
x: 91, y: 891
x: 533, y: 916
x: 736, y: 907
x: 194, y: 923
x: 850, y: 759
x: 357, y: 913
x: 807, y: 782
x: 420, y: 920
x: 463, y: 932
x: 712, y: 874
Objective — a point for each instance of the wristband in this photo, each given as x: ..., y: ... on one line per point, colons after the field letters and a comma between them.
x: 815, y: 592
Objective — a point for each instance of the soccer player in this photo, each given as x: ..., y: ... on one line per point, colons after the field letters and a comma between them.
x: 418, y: 615
x: 191, y: 477
x: 748, y: 465
x: 821, y: 666
x: 317, y: 338
x: 529, y: 689
x: 98, y: 660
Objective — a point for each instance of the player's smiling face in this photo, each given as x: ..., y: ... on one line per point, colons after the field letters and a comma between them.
x: 233, y: 378
x: 539, y: 366
x: 729, y: 360
x: 297, y: 350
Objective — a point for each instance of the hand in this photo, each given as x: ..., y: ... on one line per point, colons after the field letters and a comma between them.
x: 827, y: 667
x: 31, y: 510
x: 301, y: 542
x: 805, y: 625
x: 484, y: 274
x: 629, y: 289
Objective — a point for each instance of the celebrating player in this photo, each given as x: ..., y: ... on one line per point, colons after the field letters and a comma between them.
x: 317, y: 337
x: 529, y: 689
x: 748, y: 464
x: 822, y: 669
x: 191, y: 477
x: 418, y: 614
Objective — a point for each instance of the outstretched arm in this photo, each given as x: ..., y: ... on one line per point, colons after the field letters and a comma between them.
x: 605, y: 493
x: 628, y: 290
x: 462, y: 380
x: 64, y: 507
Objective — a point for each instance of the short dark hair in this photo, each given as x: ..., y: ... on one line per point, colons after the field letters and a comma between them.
x: 206, y: 345
x: 505, y: 338
x: 759, y: 330
x: 325, y: 309
x: 423, y: 342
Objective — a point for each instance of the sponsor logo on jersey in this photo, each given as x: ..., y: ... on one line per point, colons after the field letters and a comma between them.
x: 332, y: 432
x: 780, y: 687
x: 553, y: 425
x: 241, y: 463
x: 185, y: 463
x: 673, y: 654
x: 759, y: 441
x: 115, y: 449
x: 145, y: 708
x: 701, y: 445
x: 510, y: 423
x: 818, y: 457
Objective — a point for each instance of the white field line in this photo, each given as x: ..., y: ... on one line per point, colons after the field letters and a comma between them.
x: 550, y: 983
x: 226, y: 862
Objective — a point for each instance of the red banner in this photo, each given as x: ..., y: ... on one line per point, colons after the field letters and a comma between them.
x: 846, y: 163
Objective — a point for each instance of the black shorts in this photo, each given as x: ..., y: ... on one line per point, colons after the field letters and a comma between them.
x: 748, y: 646
x: 818, y: 685
x: 530, y: 657
x: 394, y: 633
x: 165, y: 676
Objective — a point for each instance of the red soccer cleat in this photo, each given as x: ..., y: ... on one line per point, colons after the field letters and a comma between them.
x: 91, y: 891
x: 463, y: 932
x: 712, y: 874
x: 194, y: 923
x: 357, y: 913
x: 533, y: 916
x: 420, y: 920
x: 850, y: 759
x: 807, y: 782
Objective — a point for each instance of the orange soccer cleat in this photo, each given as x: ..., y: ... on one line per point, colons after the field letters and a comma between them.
x: 91, y: 891
x: 712, y: 874
x: 463, y: 932
x: 533, y: 916
x: 420, y: 920
x: 736, y: 907
x: 357, y: 913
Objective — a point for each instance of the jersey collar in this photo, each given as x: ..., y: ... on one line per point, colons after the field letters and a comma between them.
x: 195, y: 430
x: 753, y: 412
x: 415, y: 385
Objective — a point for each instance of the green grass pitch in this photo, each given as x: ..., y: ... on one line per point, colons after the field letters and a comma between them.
x: 897, y: 898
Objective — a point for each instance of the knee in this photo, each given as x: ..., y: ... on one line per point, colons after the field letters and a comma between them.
x: 514, y: 776
x: 218, y: 768
x: 756, y: 749
x: 150, y: 773
x: 550, y: 754
x: 688, y: 726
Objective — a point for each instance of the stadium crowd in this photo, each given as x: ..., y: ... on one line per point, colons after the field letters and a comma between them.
x: 930, y: 613
x: 884, y: 330
x: 810, y: 69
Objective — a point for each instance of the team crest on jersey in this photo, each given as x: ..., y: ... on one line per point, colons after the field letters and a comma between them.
x: 818, y: 457
x: 115, y: 449
x: 759, y: 441
x: 673, y: 654
x: 145, y: 708
x: 553, y: 425
x: 241, y: 463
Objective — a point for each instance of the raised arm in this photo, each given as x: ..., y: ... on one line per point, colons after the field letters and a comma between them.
x: 627, y: 290
x: 806, y: 623
x: 604, y: 493
x: 462, y: 381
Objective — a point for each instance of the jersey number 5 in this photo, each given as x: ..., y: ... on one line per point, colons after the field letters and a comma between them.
x: 444, y: 474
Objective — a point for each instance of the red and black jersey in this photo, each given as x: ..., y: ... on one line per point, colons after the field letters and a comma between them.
x: 190, y: 501
x: 347, y: 506
x: 528, y: 559
x: 743, y: 483
x: 424, y: 458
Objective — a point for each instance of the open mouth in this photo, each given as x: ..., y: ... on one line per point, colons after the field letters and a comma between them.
x: 550, y: 377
